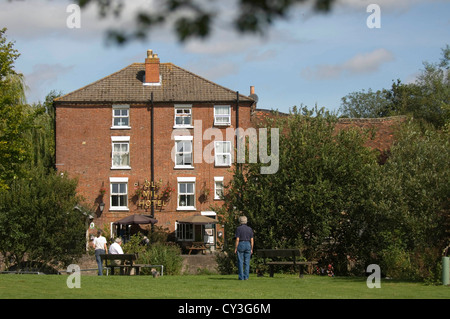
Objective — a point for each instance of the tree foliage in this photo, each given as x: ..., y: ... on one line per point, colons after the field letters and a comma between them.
x: 38, y: 222
x: 195, y: 19
x: 335, y: 202
x: 15, y: 117
x: 317, y: 199
x: 428, y: 98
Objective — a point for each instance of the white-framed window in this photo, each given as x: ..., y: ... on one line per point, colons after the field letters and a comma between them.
x: 185, y: 232
x: 218, y: 187
x: 119, y: 193
x: 120, y: 152
x: 183, y: 116
x: 121, y: 116
x: 222, y: 153
x: 186, y: 193
x: 183, y: 152
x: 222, y: 115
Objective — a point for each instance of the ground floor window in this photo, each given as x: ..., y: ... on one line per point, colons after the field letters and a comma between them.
x: 119, y: 193
x: 185, y: 231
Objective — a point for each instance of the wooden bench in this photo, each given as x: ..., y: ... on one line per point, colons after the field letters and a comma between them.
x: 284, y: 253
x: 125, y: 262
x: 197, y: 246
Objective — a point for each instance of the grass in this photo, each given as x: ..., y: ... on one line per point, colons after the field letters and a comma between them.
x: 212, y: 287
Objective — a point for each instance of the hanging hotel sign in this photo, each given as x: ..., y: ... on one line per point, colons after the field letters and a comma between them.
x: 150, y: 195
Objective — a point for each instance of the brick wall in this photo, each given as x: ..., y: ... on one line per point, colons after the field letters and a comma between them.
x: 84, y: 151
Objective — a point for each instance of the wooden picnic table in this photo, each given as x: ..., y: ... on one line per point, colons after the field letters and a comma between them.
x: 197, y: 246
x: 125, y: 262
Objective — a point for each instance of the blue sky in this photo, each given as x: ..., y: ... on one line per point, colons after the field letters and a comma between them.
x: 307, y: 59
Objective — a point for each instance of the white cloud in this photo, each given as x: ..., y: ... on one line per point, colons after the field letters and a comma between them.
x: 43, y: 76
x: 369, y: 62
x: 359, y: 64
x: 42, y: 18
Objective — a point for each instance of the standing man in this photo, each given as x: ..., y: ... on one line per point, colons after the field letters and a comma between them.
x: 99, y: 243
x: 243, y: 248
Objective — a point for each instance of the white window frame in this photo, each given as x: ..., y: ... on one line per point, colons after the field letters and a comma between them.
x: 185, y: 180
x: 120, y: 140
x: 218, y: 180
x: 120, y: 107
x: 222, y: 116
x: 182, y: 115
x: 225, y: 154
x: 118, y: 181
x: 183, y: 139
x: 184, y: 231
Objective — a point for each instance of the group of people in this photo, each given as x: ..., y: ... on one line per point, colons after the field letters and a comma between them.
x: 100, y: 245
x: 243, y: 249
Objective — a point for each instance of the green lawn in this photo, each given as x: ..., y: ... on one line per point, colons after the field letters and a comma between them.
x: 211, y: 287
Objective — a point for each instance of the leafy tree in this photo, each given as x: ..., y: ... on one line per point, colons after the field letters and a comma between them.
x: 14, y: 116
x: 191, y: 19
x: 366, y: 104
x: 316, y: 201
x: 41, y: 135
x: 413, y: 199
x: 38, y: 220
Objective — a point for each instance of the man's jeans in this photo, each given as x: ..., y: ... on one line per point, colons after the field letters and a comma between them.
x: 99, y: 252
x: 244, y: 250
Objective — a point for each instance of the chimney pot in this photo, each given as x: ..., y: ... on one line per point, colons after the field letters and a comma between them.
x: 252, y: 90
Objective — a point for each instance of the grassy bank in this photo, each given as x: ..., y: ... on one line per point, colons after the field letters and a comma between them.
x: 211, y: 287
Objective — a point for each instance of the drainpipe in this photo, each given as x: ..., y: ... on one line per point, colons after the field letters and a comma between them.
x: 152, y: 163
x: 237, y: 127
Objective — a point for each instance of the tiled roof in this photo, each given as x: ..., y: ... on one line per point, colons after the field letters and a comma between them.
x: 177, y: 85
x: 383, y: 128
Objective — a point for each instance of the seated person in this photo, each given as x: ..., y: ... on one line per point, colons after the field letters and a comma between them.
x: 116, y: 249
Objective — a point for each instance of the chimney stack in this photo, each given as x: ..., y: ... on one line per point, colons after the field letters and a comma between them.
x: 152, y: 68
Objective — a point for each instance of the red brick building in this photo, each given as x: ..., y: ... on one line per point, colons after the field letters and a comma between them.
x: 152, y: 139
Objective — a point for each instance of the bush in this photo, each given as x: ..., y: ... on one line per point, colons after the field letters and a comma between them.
x: 161, y: 254
x: 155, y: 254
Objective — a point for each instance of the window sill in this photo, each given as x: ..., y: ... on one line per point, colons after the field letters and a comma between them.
x: 121, y: 167
x: 119, y: 209
x: 183, y: 126
x: 186, y: 208
x: 222, y: 124
x: 183, y: 167
x: 120, y: 127
x: 223, y: 165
